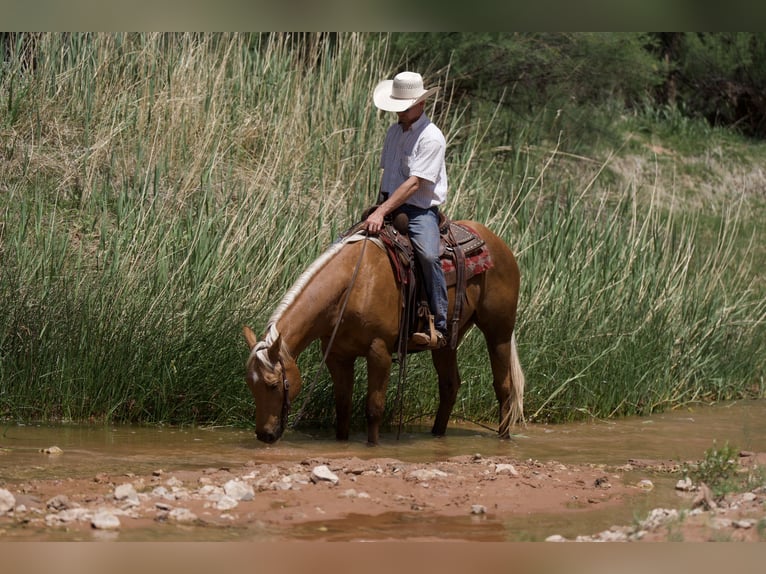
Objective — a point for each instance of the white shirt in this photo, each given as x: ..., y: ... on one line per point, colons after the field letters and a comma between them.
x: 419, y: 151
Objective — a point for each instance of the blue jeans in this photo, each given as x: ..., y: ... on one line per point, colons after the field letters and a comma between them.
x: 424, y: 234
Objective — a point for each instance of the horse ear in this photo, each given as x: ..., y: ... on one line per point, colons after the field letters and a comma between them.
x: 274, y: 349
x: 249, y: 336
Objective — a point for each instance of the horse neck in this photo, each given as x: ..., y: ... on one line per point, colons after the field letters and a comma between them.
x: 312, y: 312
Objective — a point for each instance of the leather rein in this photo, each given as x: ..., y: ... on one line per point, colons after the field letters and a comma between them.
x: 285, y: 382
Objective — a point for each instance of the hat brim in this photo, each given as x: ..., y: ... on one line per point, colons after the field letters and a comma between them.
x: 381, y: 96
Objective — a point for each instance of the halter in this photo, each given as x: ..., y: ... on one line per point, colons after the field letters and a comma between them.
x: 284, y: 414
x: 286, y: 402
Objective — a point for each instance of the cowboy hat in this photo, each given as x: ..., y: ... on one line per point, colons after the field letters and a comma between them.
x: 401, y: 93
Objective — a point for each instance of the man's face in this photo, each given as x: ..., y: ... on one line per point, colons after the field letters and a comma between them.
x: 408, y: 116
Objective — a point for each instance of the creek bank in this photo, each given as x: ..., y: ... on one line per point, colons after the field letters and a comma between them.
x: 314, y: 498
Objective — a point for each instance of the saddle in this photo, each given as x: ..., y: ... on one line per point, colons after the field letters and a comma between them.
x: 463, y: 254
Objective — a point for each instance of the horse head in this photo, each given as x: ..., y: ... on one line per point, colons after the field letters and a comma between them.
x: 273, y: 378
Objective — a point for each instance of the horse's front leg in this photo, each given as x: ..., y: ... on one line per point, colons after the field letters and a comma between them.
x: 445, y: 362
x: 378, y: 372
x: 342, y: 373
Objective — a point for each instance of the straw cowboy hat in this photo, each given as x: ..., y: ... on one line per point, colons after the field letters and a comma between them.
x: 401, y: 93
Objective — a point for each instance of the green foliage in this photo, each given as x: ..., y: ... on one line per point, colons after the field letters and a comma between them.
x: 721, y: 472
x: 160, y: 190
x: 718, y: 470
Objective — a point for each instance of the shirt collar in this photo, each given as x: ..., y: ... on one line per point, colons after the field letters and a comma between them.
x: 419, y: 123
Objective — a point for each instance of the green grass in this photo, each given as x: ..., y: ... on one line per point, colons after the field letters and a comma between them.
x: 158, y: 191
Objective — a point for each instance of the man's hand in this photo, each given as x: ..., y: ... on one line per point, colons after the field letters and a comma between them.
x: 374, y: 223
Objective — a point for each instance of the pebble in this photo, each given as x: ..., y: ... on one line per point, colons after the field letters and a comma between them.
x: 323, y: 473
x: 7, y: 501
x: 478, y: 509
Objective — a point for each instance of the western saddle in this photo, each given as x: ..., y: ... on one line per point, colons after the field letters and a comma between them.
x: 458, y: 243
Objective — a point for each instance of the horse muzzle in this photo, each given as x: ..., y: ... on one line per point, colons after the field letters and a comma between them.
x: 269, y: 436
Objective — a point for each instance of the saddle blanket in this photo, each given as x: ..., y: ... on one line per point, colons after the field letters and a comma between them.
x: 476, y: 263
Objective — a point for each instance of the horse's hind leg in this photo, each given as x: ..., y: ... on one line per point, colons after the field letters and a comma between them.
x: 445, y: 362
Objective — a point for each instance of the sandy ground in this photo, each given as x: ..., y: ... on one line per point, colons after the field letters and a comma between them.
x: 468, y: 498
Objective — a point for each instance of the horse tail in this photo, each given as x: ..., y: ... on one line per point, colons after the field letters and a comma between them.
x: 516, y: 399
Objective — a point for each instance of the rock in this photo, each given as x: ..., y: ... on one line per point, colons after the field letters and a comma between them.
x: 182, y: 515
x: 58, y: 502
x: 478, y: 509
x: 322, y: 473
x: 105, y: 520
x: 507, y: 469
x: 685, y: 485
x: 226, y: 502
x: 238, y: 490
x: 54, y: 450
x: 744, y: 524
x: 556, y: 538
x: 66, y: 516
x: 423, y: 474
x: 659, y: 517
x: 7, y: 501
x: 126, y: 492
x: 645, y: 484
x: 704, y: 498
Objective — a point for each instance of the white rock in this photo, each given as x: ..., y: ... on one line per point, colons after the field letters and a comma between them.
x: 423, y: 474
x: 7, y: 501
x: 556, y: 538
x: 478, y: 509
x: 744, y: 524
x: 323, y: 473
x: 126, y: 492
x: 105, y: 520
x: 238, y: 490
x: 685, y: 485
x: 226, y: 502
x: 507, y: 469
x: 182, y: 515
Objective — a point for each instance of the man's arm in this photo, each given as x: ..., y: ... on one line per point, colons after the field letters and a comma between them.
x: 374, y: 222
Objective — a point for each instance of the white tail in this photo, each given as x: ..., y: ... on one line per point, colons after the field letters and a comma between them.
x: 516, y: 399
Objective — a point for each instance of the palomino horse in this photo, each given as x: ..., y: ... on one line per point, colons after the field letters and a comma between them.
x: 369, y: 327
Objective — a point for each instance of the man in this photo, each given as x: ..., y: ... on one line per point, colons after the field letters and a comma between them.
x: 414, y: 182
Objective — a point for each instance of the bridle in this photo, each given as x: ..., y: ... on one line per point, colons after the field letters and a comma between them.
x: 283, y: 416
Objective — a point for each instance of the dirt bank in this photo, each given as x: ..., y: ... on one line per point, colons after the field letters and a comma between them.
x: 462, y: 498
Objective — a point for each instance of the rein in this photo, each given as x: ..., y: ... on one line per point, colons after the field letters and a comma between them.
x: 286, y: 402
x: 302, y: 410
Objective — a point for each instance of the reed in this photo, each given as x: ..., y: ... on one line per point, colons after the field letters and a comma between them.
x: 160, y: 190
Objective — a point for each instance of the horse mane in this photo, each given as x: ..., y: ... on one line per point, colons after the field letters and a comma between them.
x: 306, y: 276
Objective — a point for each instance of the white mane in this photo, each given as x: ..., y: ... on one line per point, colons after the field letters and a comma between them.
x: 261, y: 348
x: 312, y: 270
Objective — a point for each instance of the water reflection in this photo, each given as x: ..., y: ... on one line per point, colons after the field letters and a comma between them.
x: 678, y: 435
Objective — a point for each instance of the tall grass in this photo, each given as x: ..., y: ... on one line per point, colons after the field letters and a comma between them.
x: 160, y: 190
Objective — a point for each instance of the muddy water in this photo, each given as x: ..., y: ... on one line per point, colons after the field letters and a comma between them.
x: 679, y: 436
